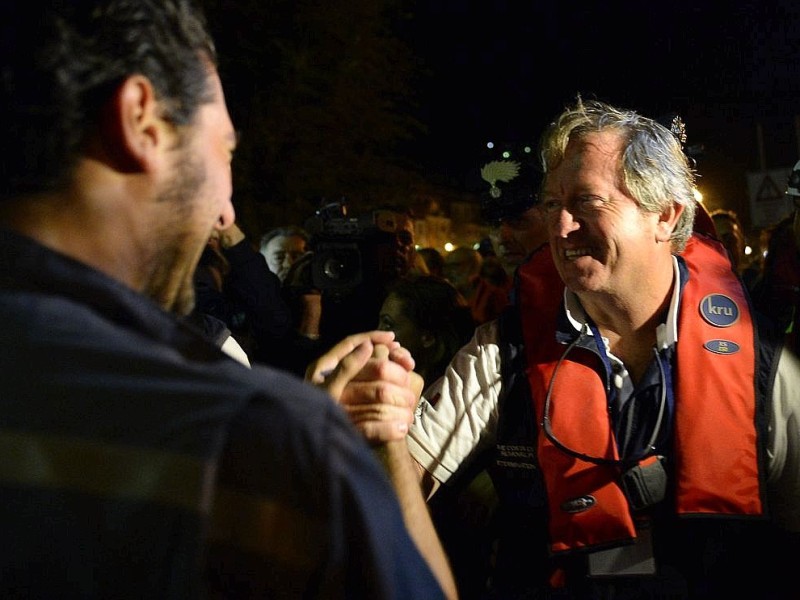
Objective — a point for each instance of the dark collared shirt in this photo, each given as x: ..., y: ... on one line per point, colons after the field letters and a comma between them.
x: 139, y: 461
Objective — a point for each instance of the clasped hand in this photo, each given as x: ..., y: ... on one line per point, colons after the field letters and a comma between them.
x: 372, y: 377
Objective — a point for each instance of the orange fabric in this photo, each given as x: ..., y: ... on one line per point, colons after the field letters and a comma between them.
x: 713, y: 477
x: 716, y: 473
x: 584, y: 411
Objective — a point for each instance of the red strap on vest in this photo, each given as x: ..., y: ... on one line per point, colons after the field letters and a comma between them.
x: 715, y: 432
x: 586, y: 505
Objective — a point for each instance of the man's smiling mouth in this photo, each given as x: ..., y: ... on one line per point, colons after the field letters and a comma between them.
x: 576, y: 253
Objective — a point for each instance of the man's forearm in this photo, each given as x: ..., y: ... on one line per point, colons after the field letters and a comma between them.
x: 405, y: 477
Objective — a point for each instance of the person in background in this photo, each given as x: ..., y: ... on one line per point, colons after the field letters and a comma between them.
x: 139, y: 460
x: 493, y: 271
x: 233, y: 284
x: 434, y: 261
x: 430, y: 319
x: 433, y: 321
x: 462, y: 268
x: 731, y: 234
x: 386, y: 254
x: 282, y: 247
x: 777, y: 291
x: 418, y: 265
x: 513, y: 210
x: 640, y: 420
x: 338, y: 287
x: 211, y: 271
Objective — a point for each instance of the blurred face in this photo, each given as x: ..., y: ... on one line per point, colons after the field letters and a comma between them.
x: 194, y: 202
x: 394, y: 252
x: 461, y: 266
x: 515, y: 239
x: 281, y: 253
x: 732, y: 238
x: 393, y: 318
x: 601, y: 241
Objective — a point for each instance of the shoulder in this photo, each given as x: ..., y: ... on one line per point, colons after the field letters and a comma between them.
x: 478, y: 358
x: 786, y: 388
x: 784, y: 441
x: 487, y: 334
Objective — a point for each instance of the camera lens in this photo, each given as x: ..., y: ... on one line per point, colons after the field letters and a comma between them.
x: 334, y: 268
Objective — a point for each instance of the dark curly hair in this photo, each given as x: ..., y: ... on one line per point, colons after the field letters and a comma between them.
x: 63, y: 60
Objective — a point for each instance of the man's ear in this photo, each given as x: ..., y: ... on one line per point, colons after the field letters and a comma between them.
x: 134, y: 134
x: 667, y: 221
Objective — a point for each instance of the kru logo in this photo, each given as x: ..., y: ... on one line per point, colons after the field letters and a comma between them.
x: 719, y: 310
x: 577, y: 505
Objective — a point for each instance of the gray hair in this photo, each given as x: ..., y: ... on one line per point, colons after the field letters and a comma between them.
x: 655, y: 170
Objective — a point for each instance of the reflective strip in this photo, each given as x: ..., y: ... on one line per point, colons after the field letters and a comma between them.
x: 101, y: 469
x: 267, y: 528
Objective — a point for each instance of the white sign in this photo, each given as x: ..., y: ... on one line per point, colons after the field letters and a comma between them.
x: 769, y: 203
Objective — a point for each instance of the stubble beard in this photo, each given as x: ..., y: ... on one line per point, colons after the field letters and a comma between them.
x: 173, y: 261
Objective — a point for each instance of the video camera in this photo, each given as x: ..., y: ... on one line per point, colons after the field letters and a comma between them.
x: 337, y: 242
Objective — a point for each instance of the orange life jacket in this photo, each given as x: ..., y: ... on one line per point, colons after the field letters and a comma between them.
x: 715, y: 433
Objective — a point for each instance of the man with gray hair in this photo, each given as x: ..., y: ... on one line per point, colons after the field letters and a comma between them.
x: 640, y: 421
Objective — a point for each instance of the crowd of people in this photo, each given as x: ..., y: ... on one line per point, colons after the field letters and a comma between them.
x: 603, y: 402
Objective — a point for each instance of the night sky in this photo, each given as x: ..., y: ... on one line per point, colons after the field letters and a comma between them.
x: 501, y: 70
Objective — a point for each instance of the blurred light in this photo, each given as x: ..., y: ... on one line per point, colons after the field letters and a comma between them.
x: 748, y: 250
x: 697, y: 195
x: 449, y: 247
x: 506, y: 154
x: 476, y: 246
x: 527, y: 149
x: 490, y: 145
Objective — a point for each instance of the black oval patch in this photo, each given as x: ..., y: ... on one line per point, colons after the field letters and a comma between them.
x: 721, y: 346
x: 577, y: 505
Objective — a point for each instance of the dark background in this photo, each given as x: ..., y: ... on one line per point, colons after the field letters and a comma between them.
x: 390, y: 101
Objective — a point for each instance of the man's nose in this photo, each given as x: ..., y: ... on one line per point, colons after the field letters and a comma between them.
x: 564, y: 223
x: 227, y: 216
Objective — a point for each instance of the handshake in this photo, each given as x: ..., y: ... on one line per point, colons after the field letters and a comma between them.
x: 371, y: 376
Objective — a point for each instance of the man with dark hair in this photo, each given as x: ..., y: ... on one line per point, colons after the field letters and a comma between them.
x: 512, y: 208
x: 138, y: 459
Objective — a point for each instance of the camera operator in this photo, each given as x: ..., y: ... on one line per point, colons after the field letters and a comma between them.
x: 353, y: 260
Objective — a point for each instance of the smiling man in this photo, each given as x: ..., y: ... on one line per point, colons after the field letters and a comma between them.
x: 640, y: 422
x: 138, y: 460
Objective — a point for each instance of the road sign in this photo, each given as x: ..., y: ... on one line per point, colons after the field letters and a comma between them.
x: 767, y: 193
